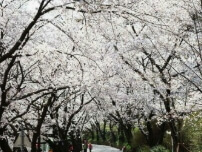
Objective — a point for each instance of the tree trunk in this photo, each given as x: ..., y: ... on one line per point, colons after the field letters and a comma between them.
x: 91, y: 133
x: 121, y: 134
x: 113, y: 136
x: 162, y: 133
x: 150, y: 134
x: 201, y: 4
x: 34, y: 140
x: 174, y: 135
x: 97, y: 135
x: 40, y: 122
x: 128, y: 133
x: 103, y: 133
x: 4, y: 145
x: 76, y: 142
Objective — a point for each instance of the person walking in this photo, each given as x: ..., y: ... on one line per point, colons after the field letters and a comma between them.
x: 85, y: 146
x: 90, y: 147
x: 71, y: 148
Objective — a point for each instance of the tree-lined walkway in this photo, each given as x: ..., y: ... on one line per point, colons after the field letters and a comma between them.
x: 101, y: 148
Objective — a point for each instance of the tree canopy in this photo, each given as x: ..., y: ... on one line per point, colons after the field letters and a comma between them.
x: 67, y: 66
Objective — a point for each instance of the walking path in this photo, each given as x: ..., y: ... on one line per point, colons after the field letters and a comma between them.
x: 101, y: 148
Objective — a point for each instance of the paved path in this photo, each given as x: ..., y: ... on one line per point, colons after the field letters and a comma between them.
x: 101, y: 148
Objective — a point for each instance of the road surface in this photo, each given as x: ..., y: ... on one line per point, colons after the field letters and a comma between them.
x: 101, y: 148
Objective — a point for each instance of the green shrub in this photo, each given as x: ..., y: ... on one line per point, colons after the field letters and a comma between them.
x: 128, y: 147
x: 143, y: 149
x: 138, y: 139
x: 159, y: 149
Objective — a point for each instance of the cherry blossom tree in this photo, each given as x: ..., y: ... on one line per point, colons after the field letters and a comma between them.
x: 141, y: 58
x: 152, y: 43
x: 24, y: 79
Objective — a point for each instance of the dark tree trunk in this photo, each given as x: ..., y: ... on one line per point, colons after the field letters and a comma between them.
x: 40, y: 122
x: 3, y: 143
x: 174, y: 135
x: 121, y: 133
x: 97, y: 135
x: 34, y: 140
x: 162, y: 133
x: 172, y: 125
x: 150, y: 139
x: 91, y: 133
x: 76, y: 142
x: 113, y: 136
x: 61, y: 146
x: 128, y: 133
x: 4, y: 146
x: 201, y: 4
x: 103, y: 133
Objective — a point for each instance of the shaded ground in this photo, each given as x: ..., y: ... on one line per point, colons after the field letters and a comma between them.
x: 101, y: 148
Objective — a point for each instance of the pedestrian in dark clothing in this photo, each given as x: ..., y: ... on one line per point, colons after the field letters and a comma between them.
x: 85, y: 146
x: 71, y: 148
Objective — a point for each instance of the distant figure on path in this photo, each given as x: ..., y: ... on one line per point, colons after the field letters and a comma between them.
x: 71, y: 148
x: 85, y: 145
x: 90, y: 147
